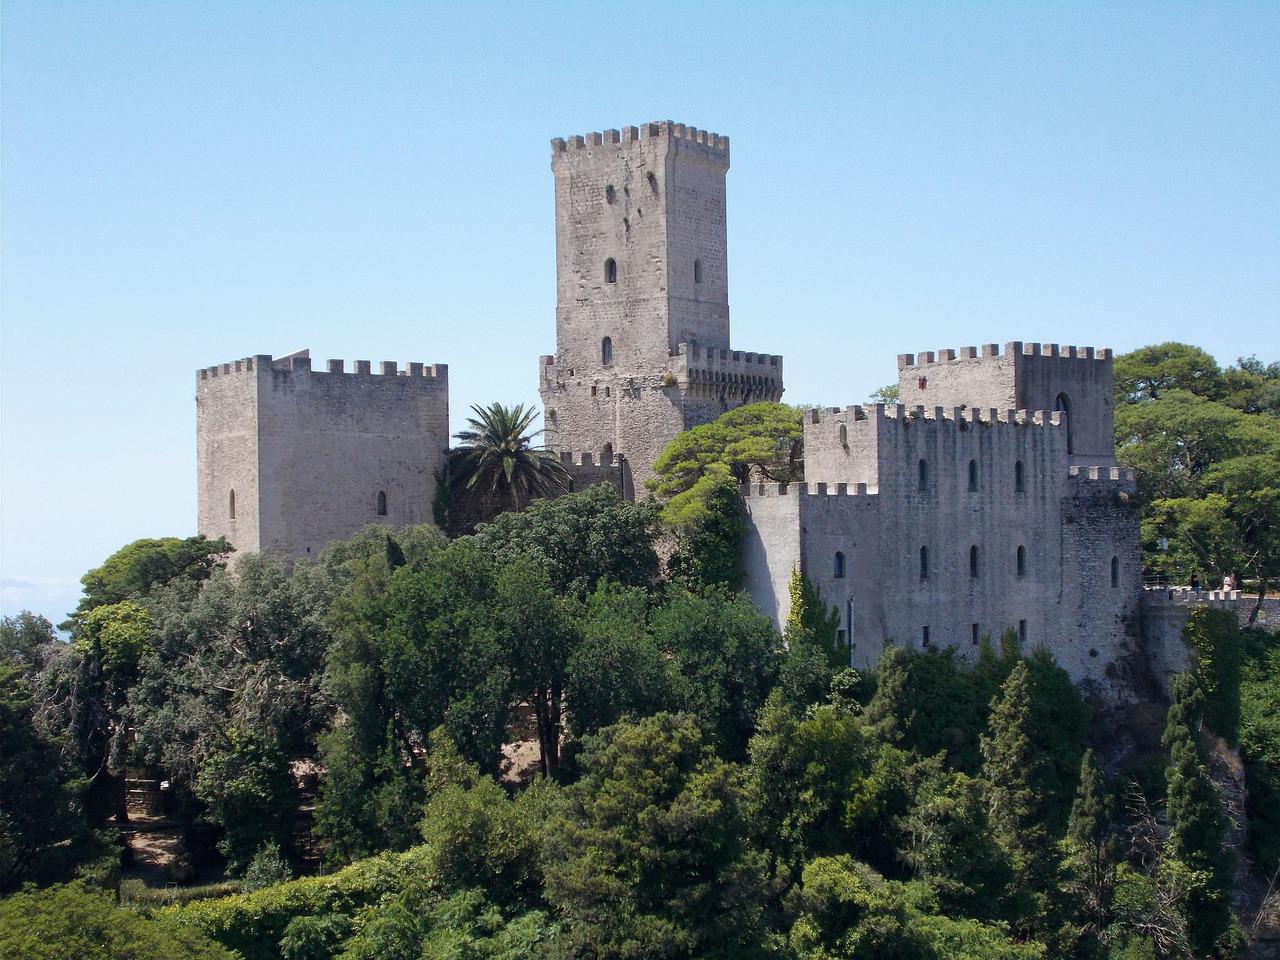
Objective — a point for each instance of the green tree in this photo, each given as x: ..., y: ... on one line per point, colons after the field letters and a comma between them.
x: 250, y: 796
x: 1198, y: 828
x: 1260, y: 745
x: 579, y: 539
x: 134, y: 570
x: 497, y: 458
x: 1092, y: 856
x: 269, y: 866
x: 22, y: 636
x: 762, y: 440
x: 73, y: 923
x: 648, y: 855
x: 40, y: 821
x: 539, y: 640
x: 802, y: 770
x: 728, y: 656
x: 1206, y: 446
x: 1215, y: 638
x: 1148, y: 373
x: 1020, y: 811
x: 846, y: 911
x: 616, y: 669
x: 950, y: 846
x: 708, y: 549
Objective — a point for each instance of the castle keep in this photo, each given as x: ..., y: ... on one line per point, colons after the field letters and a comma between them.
x: 289, y: 458
x: 642, y: 296
x: 940, y: 526
x: 988, y: 500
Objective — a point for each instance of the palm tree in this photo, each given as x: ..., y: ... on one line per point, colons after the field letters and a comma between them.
x: 497, y: 457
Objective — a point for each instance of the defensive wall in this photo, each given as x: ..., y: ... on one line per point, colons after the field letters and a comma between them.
x: 290, y: 458
x: 922, y: 529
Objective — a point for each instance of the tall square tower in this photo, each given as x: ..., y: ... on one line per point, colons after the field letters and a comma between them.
x: 642, y: 303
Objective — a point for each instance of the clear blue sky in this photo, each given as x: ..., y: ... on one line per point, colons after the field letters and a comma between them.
x: 185, y: 184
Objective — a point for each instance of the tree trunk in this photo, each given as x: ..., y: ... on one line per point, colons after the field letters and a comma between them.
x: 1257, y: 607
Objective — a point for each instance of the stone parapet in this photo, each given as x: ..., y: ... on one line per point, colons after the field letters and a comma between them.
x: 1014, y: 348
x: 301, y: 363
x: 688, y: 136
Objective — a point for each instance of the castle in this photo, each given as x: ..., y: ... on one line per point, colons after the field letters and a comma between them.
x: 989, y: 499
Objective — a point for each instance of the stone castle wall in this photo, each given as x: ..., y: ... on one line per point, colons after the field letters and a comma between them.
x: 308, y: 453
x: 1026, y: 376
x: 868, y: 501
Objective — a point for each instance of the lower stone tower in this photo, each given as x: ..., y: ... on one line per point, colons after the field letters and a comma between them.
x: 289, y: 459
x: 642, y: 308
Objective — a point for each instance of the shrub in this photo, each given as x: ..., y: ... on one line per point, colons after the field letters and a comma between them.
x: 254, y: 923
x: 72, y: 922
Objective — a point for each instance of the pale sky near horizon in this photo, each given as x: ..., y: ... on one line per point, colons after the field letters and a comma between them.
x: 184, y: 184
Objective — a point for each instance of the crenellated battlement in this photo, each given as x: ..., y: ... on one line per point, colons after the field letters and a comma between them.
x: 603, y: 459
x: 961, y: 414
x: 767, y: 490
x: 301, y: 363
x: 562, y: 147
x: 1121, y: 474
x: 1014, y: 348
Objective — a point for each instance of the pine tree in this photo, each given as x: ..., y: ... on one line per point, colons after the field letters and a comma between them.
x: 1092, y: 851
x: 1013, y: 767
x: 1198, y: 828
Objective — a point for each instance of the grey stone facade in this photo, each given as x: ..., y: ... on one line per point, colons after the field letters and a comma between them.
x: 943, y: 526
x: 289, y: 458
x: 642, y: 306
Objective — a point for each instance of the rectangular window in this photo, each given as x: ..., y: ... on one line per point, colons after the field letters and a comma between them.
x: 974, y: 630
x: 840, y: 637
x: 593, y: 389
x: 1022, y: 633
x: 924, y: 636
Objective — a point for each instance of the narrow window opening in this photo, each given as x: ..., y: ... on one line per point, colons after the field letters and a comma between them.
x: 839, y: 565
x: 593, y: 389
x: 610, y: 194
x: 840, y: 637
x: 606, y: 391
x: 611, y: 271
x: 1019, y: 477
x: 1115, y: 571
x: 653, y: 181
x: 973, y: 634
x: 973, y: 561
x: 924, y: 563
x: 922, y: 382
x: 231, y: 505
x: 1022, y: 561
x: 606, y: 351
x: 606, y: 455
x: 1022, y: 633
x: 924, y: 636
x: 923, y: 472
x: 697, y: 271
x: 1063, y: 405
x: 844, y: 435
x: 973, y: 475
x: 382, y: 503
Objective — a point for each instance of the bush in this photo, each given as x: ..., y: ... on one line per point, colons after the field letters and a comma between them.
x: 269, y: 866
x: 254, y: 923
x: 72, y: 922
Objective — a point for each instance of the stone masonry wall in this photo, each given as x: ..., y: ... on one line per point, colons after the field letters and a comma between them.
x: 865, y: 500
x: 323, y: 444
x: 227, y: 453
x: 1027, y: 376
x: 651, y: 201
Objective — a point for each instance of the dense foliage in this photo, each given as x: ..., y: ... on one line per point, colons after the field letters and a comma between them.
x: 1206, y: 445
